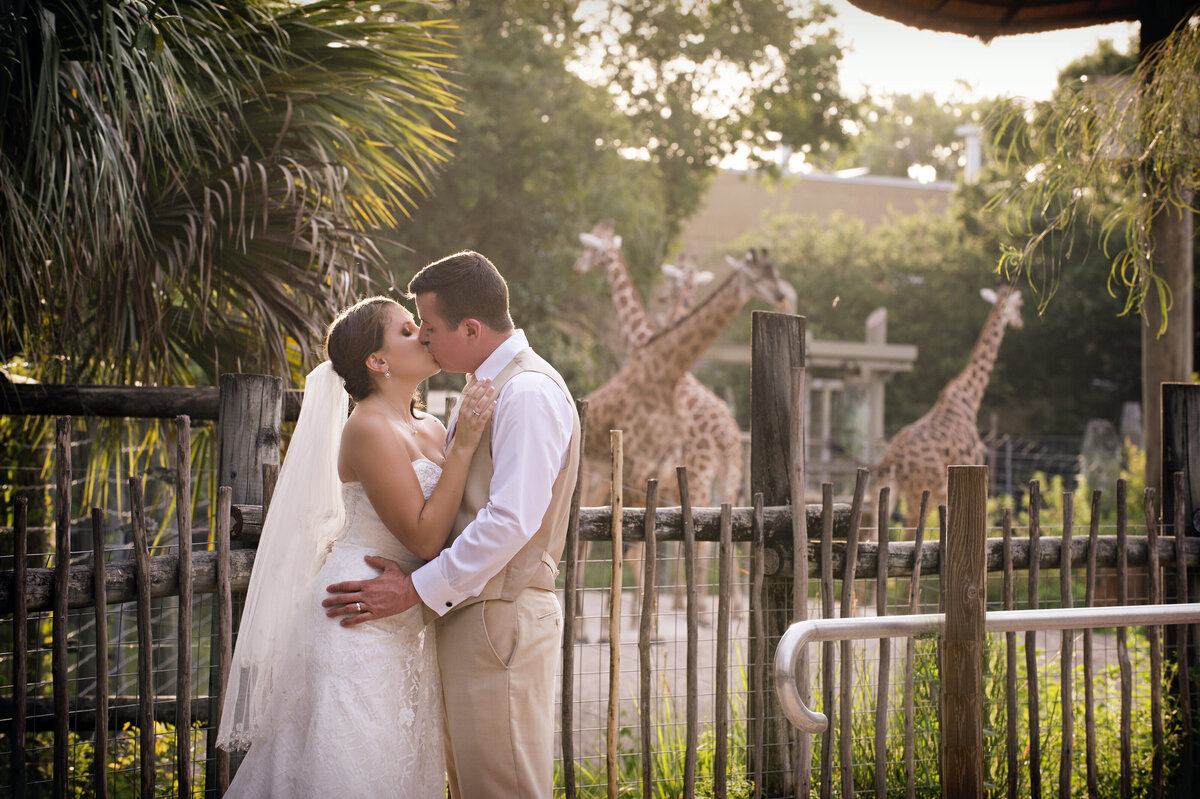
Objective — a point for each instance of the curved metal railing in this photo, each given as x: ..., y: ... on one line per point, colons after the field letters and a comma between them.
x: 794, y: 644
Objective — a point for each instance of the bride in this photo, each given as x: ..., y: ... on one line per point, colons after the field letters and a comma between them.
x: 356, y: 711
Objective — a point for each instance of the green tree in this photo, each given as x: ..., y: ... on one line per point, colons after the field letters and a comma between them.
x: 535, y: 164
x: 899, y: 134
x: 699, y: 80
x: 192, y: 186
x: 1120, y: 156
x: 1051, y: 377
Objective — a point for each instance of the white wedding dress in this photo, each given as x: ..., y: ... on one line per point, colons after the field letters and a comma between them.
x: 364, y: 719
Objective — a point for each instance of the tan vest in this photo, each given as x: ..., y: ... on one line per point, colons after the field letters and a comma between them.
x: 536, y: 565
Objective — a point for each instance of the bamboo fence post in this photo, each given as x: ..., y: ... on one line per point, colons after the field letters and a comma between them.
x: 803, y: 762
x: 692, y: 732
x: 885, y: 646
x: 100, y: 594
x: 646, y: 632
x: 1182, y: 638
x: 1066, y: 661
x: 1089, y: 671
x: 20, y: 643
x: 612, y: 728
x: 777, y: 348
x: 846, y: 682
x: 183, y: 675
x: 145, y: 638
x: 721, y: 677
x: 1010, y: 659
x: 1031, y: 664
x: 965, y: 592
x: 570, y: 612
x: 914, y: 603
x: 1155, y: 640
x: 224, y: 638
x: 62, y: 575
x: 758, y: 641
x: 1123, y: 646
x: 828, y: 679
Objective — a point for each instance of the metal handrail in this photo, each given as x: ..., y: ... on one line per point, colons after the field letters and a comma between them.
x: 790, y: 653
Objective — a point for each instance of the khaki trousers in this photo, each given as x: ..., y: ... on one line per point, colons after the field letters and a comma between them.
x: 498, y: 661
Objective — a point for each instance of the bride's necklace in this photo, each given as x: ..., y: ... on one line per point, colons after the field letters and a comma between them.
x: 410, y: 425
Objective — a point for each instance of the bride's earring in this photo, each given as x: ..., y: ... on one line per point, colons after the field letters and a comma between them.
x: 387, y: 373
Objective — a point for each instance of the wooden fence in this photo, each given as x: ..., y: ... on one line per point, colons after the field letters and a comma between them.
x: 825, y: 544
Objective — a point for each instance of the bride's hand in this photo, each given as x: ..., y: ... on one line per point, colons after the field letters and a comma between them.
x: 476, y: 405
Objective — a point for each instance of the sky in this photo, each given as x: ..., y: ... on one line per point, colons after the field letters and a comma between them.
x: 889, y: 57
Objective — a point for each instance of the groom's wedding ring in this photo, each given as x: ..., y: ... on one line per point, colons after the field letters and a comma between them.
x: 358, y: 606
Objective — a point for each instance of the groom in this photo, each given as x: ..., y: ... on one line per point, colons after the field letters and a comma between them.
x: 500, y: 625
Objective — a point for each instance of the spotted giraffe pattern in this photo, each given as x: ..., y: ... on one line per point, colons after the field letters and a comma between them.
x: 640, y: 398
x: 712, y: 442
x: 948, y: 434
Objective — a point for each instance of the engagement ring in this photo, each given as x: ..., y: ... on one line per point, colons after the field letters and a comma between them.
x: 475, y: 412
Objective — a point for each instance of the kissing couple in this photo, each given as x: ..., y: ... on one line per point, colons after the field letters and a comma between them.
x: 401, y: 631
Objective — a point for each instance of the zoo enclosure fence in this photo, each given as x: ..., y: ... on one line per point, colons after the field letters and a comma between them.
x: 767, y: 530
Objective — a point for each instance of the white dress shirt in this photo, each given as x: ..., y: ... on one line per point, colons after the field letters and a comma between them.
x: 531, y: 436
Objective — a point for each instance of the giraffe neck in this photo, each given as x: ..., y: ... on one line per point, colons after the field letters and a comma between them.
x: 668, y: 356
x: 967, y: 388
x: 682, y: 307
x: 632, y: 319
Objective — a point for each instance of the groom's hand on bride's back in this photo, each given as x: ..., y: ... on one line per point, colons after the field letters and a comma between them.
x: 358, y: 601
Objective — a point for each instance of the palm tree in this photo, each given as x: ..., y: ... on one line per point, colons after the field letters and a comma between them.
x: 193, y: 186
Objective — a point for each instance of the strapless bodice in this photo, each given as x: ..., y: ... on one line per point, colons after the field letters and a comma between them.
x: 365, y: 530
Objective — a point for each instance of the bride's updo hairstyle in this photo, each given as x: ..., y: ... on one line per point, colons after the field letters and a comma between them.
x: 355, y: 334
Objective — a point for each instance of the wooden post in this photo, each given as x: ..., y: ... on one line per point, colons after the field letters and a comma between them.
x: 612, y: 766
x: 691, y: 704
x: 645, y: 634
x: 778, y: 348
x: 145, y: 652
x: 20, y: 662
x: 571, y: 558
x: 803, y: 776
x: 965, y: 590
x: 248, y: 429
x: 1181, y: 450
x: 100, y: 592
x: 58, y: 623
x: 183, y: 671
x: 1181, y: 502
x: 219, y: 762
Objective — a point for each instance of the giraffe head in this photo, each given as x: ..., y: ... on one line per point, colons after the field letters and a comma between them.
x: 598, y: 245
x: 1012, y: 304
x: 759, y: 278
x: 683, y: 281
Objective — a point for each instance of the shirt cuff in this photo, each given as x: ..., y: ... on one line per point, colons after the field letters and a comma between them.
x: 433, y: 589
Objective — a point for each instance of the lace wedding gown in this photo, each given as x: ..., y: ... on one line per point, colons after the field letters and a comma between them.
x: 365, y: 717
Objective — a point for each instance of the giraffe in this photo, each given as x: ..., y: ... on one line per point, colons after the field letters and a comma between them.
x: 679, y: 292
x: 948, y: 434
x: 713, y: 451
x: 640, y: 398
x: 713, y: 442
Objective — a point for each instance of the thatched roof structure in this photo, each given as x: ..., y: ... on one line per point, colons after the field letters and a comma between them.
x: 987, y: 19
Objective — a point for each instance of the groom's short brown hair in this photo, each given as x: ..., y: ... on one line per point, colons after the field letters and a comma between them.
x: 468, y: 286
